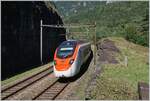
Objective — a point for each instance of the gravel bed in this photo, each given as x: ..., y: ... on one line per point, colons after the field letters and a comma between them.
x: 30, y: 92
x: 25, y: 77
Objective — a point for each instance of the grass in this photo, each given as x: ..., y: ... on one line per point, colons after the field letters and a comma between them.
x: 118, y: 81
x: 25, y: 74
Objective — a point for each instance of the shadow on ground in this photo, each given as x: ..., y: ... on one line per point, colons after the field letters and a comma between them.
x: 84, y: 68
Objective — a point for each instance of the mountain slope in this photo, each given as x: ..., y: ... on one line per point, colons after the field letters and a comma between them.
x: 129, y: 19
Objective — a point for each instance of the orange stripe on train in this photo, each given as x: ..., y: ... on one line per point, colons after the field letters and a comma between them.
x: 63, y: 64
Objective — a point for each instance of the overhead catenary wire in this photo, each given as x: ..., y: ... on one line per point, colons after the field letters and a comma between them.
x: 68, y: 26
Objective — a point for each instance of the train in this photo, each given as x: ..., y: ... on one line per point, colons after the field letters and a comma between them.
x: 69, y: 57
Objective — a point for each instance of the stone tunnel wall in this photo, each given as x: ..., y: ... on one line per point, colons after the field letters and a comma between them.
x: 20, y: 36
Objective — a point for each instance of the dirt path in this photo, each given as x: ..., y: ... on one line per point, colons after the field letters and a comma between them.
x: 106, y: 51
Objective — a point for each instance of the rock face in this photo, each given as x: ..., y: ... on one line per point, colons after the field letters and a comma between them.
x: 20, y: 35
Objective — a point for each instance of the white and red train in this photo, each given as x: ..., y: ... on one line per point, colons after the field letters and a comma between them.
x: 69, y: 57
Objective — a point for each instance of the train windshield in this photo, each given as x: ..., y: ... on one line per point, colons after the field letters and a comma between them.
x: 66, y: 50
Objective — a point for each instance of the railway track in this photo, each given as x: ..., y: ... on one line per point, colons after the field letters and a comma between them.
x: 52, y: 91
x: 8, y: 92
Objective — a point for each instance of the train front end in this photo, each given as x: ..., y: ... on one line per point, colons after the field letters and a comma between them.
x: 65, y: 59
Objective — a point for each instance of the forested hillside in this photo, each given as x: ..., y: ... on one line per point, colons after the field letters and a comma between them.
x: 129, y: 19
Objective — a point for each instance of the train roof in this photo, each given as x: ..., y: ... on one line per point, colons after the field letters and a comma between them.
x: 72, y: 43
x: 77, y: 41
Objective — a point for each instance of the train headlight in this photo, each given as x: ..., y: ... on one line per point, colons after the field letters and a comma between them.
x: 54, y: 62
x: 71, y: 61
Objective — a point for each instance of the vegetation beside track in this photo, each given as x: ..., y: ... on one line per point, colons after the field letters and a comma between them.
x: 25, y: 74
x: 118, y: 81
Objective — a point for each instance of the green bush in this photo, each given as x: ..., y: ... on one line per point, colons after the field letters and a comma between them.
x: 134, y: 36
